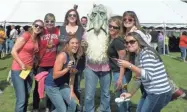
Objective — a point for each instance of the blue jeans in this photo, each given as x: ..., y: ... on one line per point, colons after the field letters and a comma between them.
x: 1, y: 47
x: 60, y: 96
x: 91, y: 79
x: 183, y: 52
x: 153, y: 102
x: 22, y: 90
x: 9, y: 45
x: 121, y: 107
x: 160, y: 47
x: 166, y: 49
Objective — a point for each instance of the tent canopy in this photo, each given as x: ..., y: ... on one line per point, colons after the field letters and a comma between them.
x: 148, y: 11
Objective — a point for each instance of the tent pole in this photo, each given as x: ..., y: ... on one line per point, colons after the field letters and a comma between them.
x: 164, y: 38
x: 5, y: 26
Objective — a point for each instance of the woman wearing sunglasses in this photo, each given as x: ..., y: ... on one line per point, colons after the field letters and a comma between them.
x: 59, y: 84
x: 150, y: 70
x: 116, y: 50
x: 72, y: 25
x: 131, y: 23
x: 23, y: 51
x: 47, y: 55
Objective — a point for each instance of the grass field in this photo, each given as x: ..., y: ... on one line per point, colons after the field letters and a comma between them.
x: 176, y: 68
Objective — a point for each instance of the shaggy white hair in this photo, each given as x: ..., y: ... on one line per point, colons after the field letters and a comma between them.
x: 96, y: 52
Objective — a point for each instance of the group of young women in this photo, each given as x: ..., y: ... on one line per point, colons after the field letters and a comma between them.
x: 61, y: 55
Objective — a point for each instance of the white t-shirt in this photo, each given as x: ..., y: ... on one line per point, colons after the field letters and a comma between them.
x: 13, y: 33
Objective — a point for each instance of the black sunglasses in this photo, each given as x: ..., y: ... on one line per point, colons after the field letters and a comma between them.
x: 50, y: 21
x: 130, y: 42
x: 38, y: 26
x: 129, y: 19
x: 114, y: 27
x: 72, y: 15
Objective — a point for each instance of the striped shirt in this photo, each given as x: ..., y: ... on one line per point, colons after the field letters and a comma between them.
x: 153, y: 73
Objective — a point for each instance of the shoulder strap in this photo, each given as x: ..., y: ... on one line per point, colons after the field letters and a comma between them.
x: 62, y: 30
x: 82, y: 30
x: 67, y: 58
x: 39, y: 57
x: 43, y: 53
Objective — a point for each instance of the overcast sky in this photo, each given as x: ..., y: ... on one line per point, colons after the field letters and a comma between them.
x: 148, y: 11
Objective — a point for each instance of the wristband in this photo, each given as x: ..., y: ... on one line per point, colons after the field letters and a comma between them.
x: 130, y: 66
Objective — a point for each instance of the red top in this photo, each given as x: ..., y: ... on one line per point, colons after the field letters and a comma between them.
x: 48, y: 47
x: 183, y: 41
x: 26, y: 52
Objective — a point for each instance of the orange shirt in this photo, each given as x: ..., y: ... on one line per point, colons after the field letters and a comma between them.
x: 183, y: 41
x: 26, y: 52
x: 48, y: 55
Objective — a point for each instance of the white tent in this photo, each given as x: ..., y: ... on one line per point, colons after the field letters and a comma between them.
x: 148, y: 11
x: 171, y: 26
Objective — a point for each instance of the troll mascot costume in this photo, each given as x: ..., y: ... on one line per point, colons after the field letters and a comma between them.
x: 97, y: 67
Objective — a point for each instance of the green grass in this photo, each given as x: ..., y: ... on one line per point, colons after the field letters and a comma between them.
x: 176, y: 68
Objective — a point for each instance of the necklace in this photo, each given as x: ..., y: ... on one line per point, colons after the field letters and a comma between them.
x: 111, y: 41
x: 50, y: 42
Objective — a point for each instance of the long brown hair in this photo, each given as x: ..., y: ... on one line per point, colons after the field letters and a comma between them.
x: 66, y: 22
x: 136, y: 21
x: 143, y: 45
x: 79, y: 53
x: 30, y: 30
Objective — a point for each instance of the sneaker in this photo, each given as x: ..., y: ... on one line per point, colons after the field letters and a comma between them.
x: 35, y: 110
x: 178, y: 94
x: 1, y: 92
x: 47, y: 110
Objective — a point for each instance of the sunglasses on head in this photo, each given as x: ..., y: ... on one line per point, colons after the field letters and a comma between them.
x: 50, y: 21
x: 38, y: 26
x: 129, y: 19
x: 130, y: 42
x: 114, y: 27
x: 72, y: 15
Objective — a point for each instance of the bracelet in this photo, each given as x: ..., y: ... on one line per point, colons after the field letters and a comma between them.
x: 130, y: 66
x: 136, y: 78
x: 67, y: 68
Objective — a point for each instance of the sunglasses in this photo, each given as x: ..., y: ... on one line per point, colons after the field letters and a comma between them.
x: 130, y: 42
x: 72, y: 15
x: 38, y: 26
x: 129, y: 19
x: 114, y: 27
x: 50, y: 21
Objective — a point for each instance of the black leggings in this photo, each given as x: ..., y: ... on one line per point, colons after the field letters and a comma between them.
x: 36, y: 99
